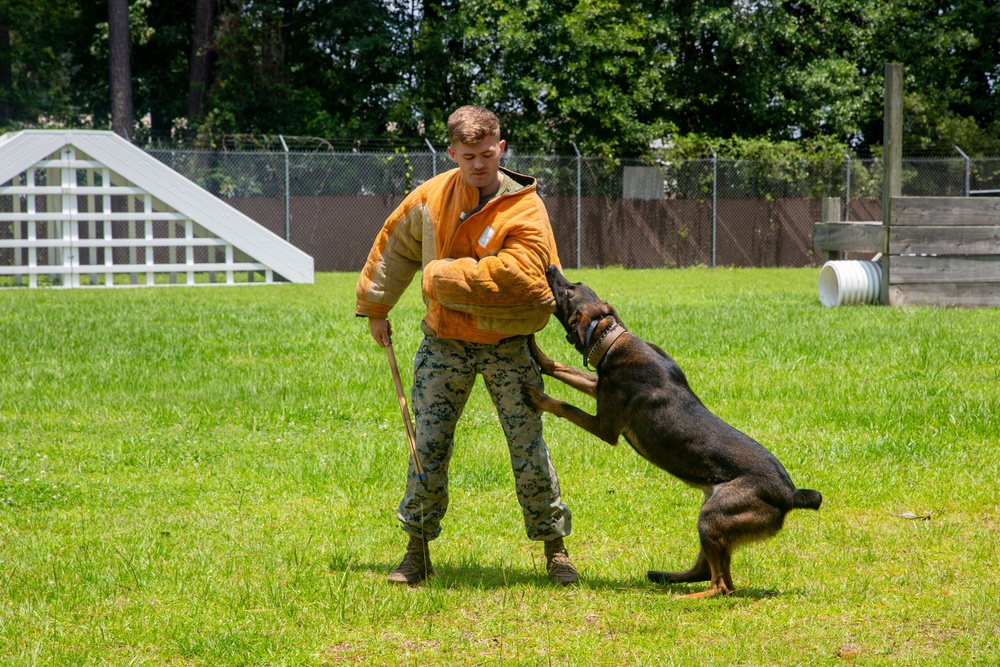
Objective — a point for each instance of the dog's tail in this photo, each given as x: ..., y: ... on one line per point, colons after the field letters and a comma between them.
x: 807, y: 499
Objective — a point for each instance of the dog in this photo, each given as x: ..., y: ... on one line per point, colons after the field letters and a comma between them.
x: 643, y: 394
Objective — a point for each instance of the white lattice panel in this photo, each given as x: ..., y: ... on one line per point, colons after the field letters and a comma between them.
x: 71, y: 220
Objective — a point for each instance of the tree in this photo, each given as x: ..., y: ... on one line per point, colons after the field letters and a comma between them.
x: 556, y: 72
x: 606, y: 75
x: 951, y: 56
x: 6, y: 76
x: 305, y: 68
x: 201, y: 44
x: 604, y: 83
x: 120, y: 67
x: 161, y: 67
x: 35, y: 54
x: 436, y: 46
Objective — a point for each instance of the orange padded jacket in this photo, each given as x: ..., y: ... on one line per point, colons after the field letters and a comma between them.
x: 483, y: 274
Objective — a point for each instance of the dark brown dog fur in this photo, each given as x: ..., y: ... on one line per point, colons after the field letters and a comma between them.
x: 642, y: 394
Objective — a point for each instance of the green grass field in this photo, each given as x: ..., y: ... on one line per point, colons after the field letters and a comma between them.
x: 209, y: 476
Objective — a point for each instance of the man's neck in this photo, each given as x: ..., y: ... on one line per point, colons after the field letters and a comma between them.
x: 488, y: 191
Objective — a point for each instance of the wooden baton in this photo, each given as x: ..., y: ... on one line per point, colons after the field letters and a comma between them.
x: 410, y: 435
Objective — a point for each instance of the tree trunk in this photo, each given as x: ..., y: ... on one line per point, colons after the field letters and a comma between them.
x: 201, y: 65
x: 120, y: 68
x: 6, y: 78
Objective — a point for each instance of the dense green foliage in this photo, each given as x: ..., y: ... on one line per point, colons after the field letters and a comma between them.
x: 208, y: 477
x: 607, y: 75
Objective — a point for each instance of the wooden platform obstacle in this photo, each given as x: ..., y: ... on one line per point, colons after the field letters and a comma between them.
x: 85, y: 208
x: 940, y: 251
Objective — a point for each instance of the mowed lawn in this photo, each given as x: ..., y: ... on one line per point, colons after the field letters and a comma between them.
x: 209, y: 476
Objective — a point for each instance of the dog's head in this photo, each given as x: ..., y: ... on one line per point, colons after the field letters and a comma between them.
x: 578, y: 308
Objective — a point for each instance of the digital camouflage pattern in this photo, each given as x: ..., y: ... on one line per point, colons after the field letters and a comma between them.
x: 444, y: 372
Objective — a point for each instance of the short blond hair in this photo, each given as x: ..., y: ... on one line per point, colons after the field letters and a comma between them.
x: 471, y: 124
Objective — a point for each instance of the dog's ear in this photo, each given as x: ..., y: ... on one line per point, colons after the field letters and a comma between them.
x: 572, y: 326
x: 614, y: 313
x: 582, y: 329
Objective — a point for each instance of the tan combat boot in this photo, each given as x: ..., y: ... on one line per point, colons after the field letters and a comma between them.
x: 416, y: 565
x: 560, y: 570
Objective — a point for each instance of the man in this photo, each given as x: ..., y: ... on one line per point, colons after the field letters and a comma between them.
x: 482, y: 237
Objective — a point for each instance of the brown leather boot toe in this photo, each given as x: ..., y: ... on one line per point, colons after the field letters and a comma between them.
x: 416, y: 565
x: 557, y: 563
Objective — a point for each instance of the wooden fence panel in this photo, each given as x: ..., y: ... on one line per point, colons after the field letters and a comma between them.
x: 945, y: 251
x: 939, y: 211
x: 955, y: 240
x: 849, y: 236
x: 961, y: 295
x: 966, y: 269
x: 941, y: 251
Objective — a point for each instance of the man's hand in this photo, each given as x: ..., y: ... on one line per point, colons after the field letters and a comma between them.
x: 381, y: 330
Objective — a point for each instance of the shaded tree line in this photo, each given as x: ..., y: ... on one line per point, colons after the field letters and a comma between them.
x: 607, y: 76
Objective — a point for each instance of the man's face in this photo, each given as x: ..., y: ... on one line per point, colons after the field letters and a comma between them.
x: 479, y: 163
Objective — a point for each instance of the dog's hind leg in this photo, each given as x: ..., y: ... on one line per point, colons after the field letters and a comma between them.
x: 712, y: 565
x: 733, y: 514
x: 700, y: 571
x: 719, y: 557
x: 713, y: 568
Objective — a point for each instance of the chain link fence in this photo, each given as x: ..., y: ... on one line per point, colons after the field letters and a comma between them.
x: 712, y: 212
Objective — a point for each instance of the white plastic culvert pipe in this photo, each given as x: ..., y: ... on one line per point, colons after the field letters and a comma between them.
x: 846, y: 282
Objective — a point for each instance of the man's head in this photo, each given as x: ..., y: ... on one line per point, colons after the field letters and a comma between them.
x: 470, y: 125
x: 476, y: 146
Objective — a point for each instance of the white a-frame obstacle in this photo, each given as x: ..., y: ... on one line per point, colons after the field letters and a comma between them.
x: 85, y: 208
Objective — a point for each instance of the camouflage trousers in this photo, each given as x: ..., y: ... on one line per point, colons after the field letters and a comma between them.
x: 444, y: 372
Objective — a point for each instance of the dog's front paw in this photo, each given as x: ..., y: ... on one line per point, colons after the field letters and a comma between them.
x: 546, y: 365
x: 533, y: 396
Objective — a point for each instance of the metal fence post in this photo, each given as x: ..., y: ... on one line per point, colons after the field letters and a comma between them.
x: 847, y: 193
x: 434, y: 157
x: 966, y: 158
x: 288, y: 203
x: 715, y: 183
x: 579, y: 158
